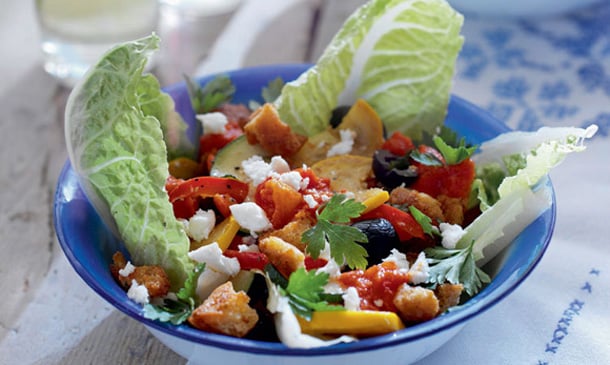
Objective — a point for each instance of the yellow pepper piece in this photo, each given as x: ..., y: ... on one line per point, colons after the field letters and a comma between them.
x: 355, y: 323
x: 372, y: 198
x: 223, y: 234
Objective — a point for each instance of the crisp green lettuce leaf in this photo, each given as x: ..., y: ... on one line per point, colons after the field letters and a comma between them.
x: 115, y: 144
x: 160, y: 105
x: 525, y: 158
x: 398, y: 55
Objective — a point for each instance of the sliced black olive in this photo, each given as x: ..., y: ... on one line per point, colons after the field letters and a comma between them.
x: 264, y: 330
x: 382, y: 238
x: 392, y: 170
x: 337, y: 115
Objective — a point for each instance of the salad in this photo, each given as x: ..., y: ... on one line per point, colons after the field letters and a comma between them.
x: 339, y: 207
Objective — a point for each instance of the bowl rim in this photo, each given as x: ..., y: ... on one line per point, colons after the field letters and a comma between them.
x: 459, y: 316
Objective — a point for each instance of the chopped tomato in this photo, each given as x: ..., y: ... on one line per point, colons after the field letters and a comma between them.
x: 403, y: 222
x: 398, y: 144
x: 279, y: 201
x: 376, y: 285
x: 312, y: 264
x: 210, y: 143
x: 451, y: 180
x: 208, y: 186
x: 248, y: 260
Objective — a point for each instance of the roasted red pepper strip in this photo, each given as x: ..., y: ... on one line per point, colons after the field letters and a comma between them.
x: 248, y: 260
x: 208, y: 186
x: 403, y: 222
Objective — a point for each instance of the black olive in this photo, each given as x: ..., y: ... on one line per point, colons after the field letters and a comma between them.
x: 337, y: 115
x: 382, y: 238
x: 392, y: 170
x: 264, y: 330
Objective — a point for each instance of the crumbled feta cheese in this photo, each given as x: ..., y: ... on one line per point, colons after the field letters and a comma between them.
x: 451, y: 233
x: 248, y: 248
x: 250, y: 216
x: 378, y: 302
x: 199, y: 226
x: 399, y: 258
x: 292, y: 179
x: 256, y: 169
x: 351, y: 299
x: 345, y: 145
x: 214, y: 259
x: 310, y: 201
x: 419, y: 271
x: 213, y: 123
x: 127, y: 270
x: 331, y: 268
x: 279, y: 165
x: 138, y: 293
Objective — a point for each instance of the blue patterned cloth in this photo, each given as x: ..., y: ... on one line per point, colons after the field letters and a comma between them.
x: 531, y: 73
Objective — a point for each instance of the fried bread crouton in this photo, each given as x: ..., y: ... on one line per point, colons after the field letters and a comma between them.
x: 275, y: 136
x: 453, y: 209
x: 422, y: 201
x: 284, y: 256
x: 448, y: 295
x: 225, y: 311
x: 153, y: 277
x: 293, y: 231
x: 416, y: 304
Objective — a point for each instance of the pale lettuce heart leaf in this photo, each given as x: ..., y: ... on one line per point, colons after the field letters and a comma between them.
x: 520, y: 196
x: 115, y: 144
x: 399, y: 55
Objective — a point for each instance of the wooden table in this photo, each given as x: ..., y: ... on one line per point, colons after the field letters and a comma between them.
x: 47, y: 314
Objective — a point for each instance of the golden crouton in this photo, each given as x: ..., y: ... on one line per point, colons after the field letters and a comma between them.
x: 153, y: 277
x: 275, y: 136
x: 293, y: 231
x: 422, y: 201
x: 448, y: 295
x: 416, y: 304
x: 284, y: 256
x: 453, y: 209
x: 225, y: 311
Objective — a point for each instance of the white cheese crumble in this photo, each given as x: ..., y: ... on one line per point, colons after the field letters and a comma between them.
x: 310, y: 201
x: 218, y: 268
x: 138, y: 293
x: 213, y: 123
x: 378, y: 302
x: 399, y: 258
x: 351, y: 299
x: 257, y: 170
x: 419, y: 271
x: 292, y: 179
x: 250, y: 216
x: 127, y: 270
x: 344, y: 146
x: 199, y: 226
x: 451, y: 233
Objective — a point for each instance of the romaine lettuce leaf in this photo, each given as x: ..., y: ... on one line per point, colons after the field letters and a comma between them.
x: 115, y: 144
x: 519, y: 200
x: 399, y: 55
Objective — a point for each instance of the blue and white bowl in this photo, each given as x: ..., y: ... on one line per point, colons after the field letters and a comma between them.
x: 89, y: 245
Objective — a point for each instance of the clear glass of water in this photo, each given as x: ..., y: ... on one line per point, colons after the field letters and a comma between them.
x: 75, y: 33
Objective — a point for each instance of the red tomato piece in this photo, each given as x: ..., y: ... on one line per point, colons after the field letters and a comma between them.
x: 279, y: 201
x: 398, y: 144
x: 248, y: 260
x: 403, y: 222
x: 311, y: 263
x: 208, y: 186
x: 451, y: 180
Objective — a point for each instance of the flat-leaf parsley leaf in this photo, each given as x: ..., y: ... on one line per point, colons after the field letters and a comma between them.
x: 456, y: 266
x: 343, y: 239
